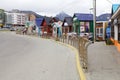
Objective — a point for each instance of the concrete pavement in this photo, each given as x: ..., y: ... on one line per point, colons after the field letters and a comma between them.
x: 29, y: 58
x: 104, y: 62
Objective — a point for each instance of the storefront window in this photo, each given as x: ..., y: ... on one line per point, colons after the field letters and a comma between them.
x: 101, y: 32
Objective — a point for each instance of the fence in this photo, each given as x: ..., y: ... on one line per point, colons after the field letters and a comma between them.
x: 81, y: 44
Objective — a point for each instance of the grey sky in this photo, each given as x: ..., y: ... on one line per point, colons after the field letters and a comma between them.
x: 52, y: 7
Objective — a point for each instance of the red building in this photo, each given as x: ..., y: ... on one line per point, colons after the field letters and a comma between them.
x: 46, y: 26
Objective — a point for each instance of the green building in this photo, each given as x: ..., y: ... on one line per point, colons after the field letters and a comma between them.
x: 2, y: 17
x: 83, y: 23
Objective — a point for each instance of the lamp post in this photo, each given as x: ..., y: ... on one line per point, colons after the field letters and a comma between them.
x: 94, y: 17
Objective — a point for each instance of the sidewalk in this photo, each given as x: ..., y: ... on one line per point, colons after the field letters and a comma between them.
x: 103, y: 62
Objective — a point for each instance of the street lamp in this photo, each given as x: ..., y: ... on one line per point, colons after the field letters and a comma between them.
x: 91, y: 10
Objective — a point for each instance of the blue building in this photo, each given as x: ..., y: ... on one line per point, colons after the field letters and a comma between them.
x: 39, y: 22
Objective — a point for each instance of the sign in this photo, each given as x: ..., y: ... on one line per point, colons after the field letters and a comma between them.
x: 108, y: 32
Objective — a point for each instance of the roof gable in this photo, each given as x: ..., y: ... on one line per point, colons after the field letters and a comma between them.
x: 39, y: 21
x: 48, y: 20
x: 68, y: 20
x: 56, y: 19
x: 84, y: 17
x: 104, y: 17
x: 115, y: 7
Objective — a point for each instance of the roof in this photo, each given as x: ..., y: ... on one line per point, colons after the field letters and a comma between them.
x: 115, y: 7
x: 39, y: 21
x: 104, y: 17
x: 47, y: 19
x: 68, y: 20
x: 56, y: 18
x: 84, y: 17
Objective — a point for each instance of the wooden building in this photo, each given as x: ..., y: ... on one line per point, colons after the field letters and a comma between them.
x: 46, y: 26
x: 67, y: 25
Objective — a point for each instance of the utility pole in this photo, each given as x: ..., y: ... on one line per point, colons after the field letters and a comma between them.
x: 94, y: 17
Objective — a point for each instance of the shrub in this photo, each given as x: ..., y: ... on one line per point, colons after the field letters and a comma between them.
x: 57, y: 39
x: 109, y: 42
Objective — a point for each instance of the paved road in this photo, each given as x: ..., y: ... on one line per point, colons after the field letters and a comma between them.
x: 30, y: 58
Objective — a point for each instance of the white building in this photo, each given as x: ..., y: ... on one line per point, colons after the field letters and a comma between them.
x: 19, y: 19
x: 16, y: 18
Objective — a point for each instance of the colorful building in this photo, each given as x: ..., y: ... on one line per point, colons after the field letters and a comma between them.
x: 2, y: 17
x: 39, y: 22
x: 115, y: 25
x: 67, y: 25
x: 57, y: 29
x: 83, y: 23
x: 46, y: 26
x: 101, y: 25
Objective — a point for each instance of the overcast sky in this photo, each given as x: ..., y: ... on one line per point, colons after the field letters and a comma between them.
x: 53, y: 7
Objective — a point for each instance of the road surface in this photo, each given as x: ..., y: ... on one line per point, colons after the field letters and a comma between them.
x: 30, y: 58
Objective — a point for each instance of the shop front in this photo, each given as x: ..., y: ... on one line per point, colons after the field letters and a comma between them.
x: 115, y: 28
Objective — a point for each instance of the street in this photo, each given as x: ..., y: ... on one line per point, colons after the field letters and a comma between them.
x: 31, y: 58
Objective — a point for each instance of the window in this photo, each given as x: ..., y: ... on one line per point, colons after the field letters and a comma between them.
x: 119, y: 32
x: 99, y: 32
x: 112, y: 29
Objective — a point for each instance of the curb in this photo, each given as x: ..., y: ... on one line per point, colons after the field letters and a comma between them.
x: 79, y: 68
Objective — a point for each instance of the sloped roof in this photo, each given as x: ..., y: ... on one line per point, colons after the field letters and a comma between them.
x: 47, y: 19
x: 56, y: 18
x: 115, y: 7
x: 84, y: 17
x: 39, y: 21
x: 68, y: 20
x: 104, y: 17
x: 62, y: 15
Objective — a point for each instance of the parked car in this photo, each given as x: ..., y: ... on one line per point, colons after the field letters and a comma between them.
x: 89, y: 35
x: 12, y: 29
